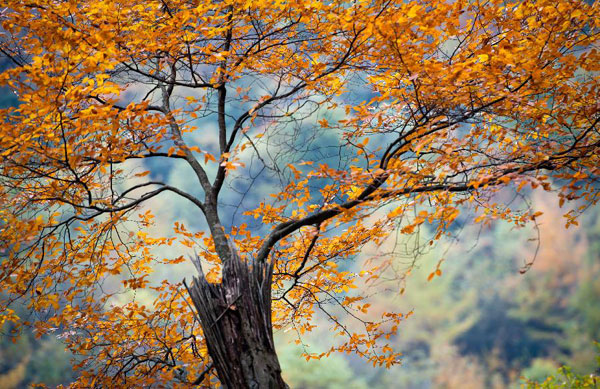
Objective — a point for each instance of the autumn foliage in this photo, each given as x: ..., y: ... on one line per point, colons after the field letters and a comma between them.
x: 360, y: 118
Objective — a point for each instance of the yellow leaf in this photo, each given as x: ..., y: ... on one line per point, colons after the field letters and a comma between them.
x: 209, y: 157
x: 142, y: 174
x: 412, y: 12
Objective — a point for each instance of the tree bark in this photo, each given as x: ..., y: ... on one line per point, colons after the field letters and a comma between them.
x: 236, y: 320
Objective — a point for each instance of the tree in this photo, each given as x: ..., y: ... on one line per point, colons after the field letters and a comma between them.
x: 358, y: 118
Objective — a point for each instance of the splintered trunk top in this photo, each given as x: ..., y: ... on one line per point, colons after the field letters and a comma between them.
x: 236, y: 321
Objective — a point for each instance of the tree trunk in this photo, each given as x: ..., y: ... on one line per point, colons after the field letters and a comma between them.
x: 236, y: 321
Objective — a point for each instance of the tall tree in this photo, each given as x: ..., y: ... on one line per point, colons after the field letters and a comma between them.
x: 422, y: 108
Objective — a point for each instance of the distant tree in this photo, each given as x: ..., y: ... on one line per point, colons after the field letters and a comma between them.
x: 359, y: 118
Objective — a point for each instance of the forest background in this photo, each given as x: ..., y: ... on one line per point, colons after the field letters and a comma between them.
x: 482, y: 324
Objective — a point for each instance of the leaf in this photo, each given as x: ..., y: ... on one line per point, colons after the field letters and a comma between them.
x: 209, y: 157
x: 412, y: 12
x: 142, y: 174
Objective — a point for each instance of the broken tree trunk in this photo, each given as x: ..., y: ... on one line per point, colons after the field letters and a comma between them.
x: 236, y: 320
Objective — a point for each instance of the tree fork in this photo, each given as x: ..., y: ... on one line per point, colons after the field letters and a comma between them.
x: 236, y: 320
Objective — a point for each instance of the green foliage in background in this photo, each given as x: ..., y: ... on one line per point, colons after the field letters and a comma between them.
x: 566, y: 378
x: 27, y: 360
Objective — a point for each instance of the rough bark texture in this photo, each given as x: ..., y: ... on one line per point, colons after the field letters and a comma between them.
x: 236, y: 320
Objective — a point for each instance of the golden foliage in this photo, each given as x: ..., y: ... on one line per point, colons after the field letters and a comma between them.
x: 464, y: 98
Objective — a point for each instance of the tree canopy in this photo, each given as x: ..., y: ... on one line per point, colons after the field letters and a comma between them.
x: 309, y: 129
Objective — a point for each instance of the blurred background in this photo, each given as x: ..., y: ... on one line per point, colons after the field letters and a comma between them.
x: 482, y: 324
